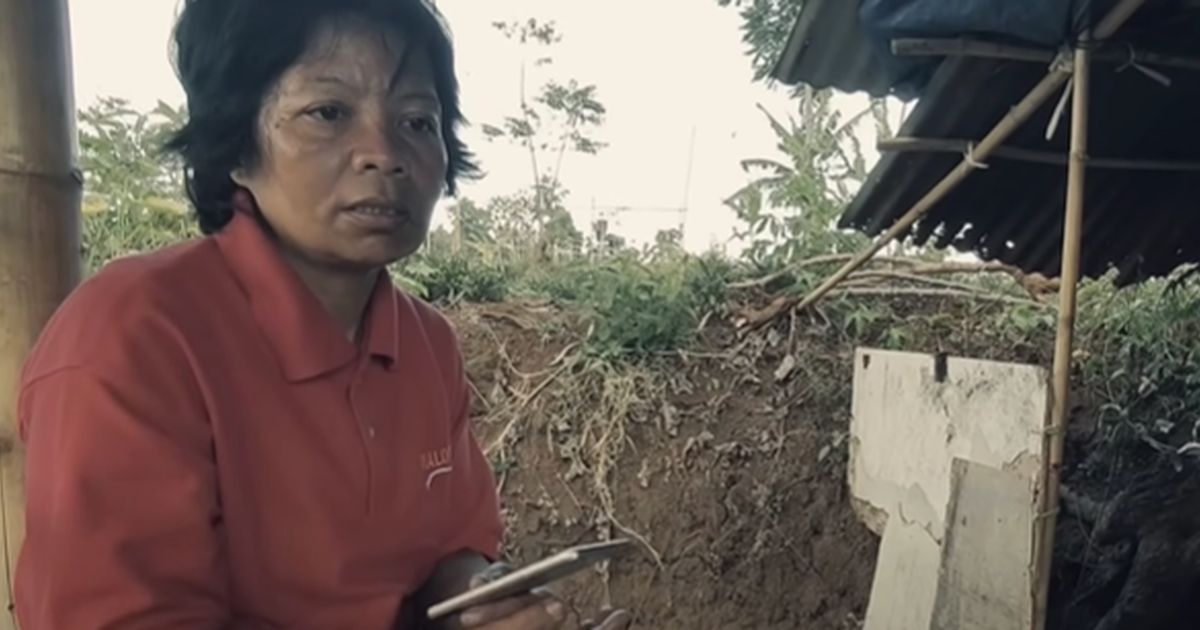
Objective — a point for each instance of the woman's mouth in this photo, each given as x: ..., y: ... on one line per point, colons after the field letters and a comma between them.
x: 378, y: 215
x: 376, y: 209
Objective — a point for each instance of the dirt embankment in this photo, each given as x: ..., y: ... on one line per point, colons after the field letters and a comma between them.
x: 728, y: 464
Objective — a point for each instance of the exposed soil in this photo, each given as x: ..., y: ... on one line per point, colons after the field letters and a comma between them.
x: 728, y: 464
x: 736, y: 482
x: 1128, y: 550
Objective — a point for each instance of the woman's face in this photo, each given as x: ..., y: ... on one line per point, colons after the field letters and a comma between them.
x: 352, y: 159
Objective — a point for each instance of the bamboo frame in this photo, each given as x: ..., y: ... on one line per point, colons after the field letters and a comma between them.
x: 1018, y: 115
x: 1058, y: 75
x: 1055, y: 434
x: 40, y: 188
x: 967, y: 47
x: 1034, y: 156
x: 1056, y: 425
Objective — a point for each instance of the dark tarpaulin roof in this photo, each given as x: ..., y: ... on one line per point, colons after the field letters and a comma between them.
x: 830, y: 48
x: 1143, y: 223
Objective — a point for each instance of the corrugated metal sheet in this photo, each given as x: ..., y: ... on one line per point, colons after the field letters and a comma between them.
x: 829, y: 49
x: 1142, y: 223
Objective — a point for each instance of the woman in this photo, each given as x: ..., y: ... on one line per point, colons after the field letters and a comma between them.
x: 256, y: 429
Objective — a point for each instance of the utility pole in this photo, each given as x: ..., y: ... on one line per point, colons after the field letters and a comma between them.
x: 687, y: 186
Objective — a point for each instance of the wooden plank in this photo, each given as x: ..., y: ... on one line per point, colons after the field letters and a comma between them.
x: 39, y: 219
x: 905, y: 586
x: 984, y: 582
x: 912, y: 415
x: 914, y: 418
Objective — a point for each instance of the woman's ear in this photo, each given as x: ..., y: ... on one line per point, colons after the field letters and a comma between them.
x: 239, y: 177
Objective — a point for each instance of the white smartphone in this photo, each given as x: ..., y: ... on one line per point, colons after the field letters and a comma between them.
x: 538, y: 574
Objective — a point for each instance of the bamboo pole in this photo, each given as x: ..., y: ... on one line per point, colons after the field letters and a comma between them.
x: 1112, y: 22
x: 1055, y: 435
x: 1034, y: 156
x: 967, y: 47
x: 40, y: 190
x: 1115, y: 19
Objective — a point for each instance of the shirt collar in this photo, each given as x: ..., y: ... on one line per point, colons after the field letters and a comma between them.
x: 303, y: 336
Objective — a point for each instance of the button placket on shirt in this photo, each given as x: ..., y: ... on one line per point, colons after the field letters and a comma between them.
x: 371, y: 403
x: 367, y: 431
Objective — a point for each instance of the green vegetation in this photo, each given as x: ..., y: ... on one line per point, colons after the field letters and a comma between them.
x: 133, y: 200
x: 1139, y: 348
x: 1141, y: 360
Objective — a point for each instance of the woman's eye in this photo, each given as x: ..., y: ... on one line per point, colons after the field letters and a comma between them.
x: 327, y: 113
x: 423, y: 124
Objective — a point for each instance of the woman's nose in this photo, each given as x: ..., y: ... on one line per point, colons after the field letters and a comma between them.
x: 378, y: 150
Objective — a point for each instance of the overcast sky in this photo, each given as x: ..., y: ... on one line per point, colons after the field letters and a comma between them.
x: 673, y: 74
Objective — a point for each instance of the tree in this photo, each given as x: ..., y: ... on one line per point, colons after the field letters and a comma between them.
x: 472, y: 224
x: 558, y: 120
x: 766, y: 26
x: 791, y: 208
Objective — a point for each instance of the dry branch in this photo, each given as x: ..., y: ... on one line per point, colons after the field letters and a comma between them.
x: 935, y: 293
x: 917, y: 271
x: 523, y: 402
x: 507, y: 317
x: 965, y: 267
x: 867, y: 278
x: 480, y: 399
x: 817, y: 262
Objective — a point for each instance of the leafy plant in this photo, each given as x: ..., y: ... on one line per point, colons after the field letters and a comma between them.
x: 1141, y: 355
x: 639, y: 308
x: 133, y: 193
x: 120, y: 150
x: 791, y: 208
x: 453, y: 276
x: 123, y: 231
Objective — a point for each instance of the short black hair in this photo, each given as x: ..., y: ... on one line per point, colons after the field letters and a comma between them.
x: 229, y: 54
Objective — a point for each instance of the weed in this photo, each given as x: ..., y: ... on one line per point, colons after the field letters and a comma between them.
x: 1140, y: 357
x: 453, y: 277
x: 637, y: 308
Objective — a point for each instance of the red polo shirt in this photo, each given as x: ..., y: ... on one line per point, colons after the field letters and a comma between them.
x: 206, y: 449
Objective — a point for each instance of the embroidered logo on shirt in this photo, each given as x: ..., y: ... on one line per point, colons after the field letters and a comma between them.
x: 435, y: 464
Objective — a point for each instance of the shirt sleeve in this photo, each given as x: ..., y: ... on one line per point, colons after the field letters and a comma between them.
x: 481, y: 526
x: 122, y: 508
